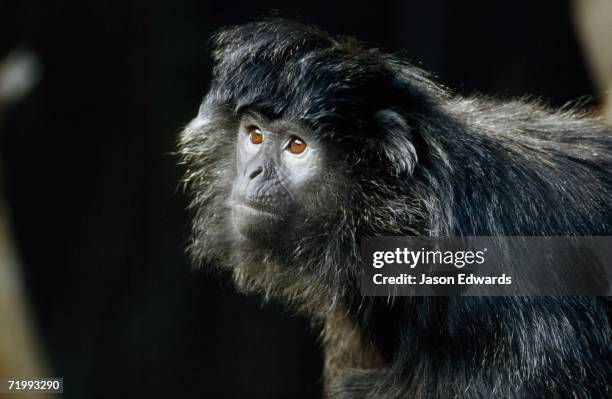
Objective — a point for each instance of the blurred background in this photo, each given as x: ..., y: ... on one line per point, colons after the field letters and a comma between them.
x: 94, y: 284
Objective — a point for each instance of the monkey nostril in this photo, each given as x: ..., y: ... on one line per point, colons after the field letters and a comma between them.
x: 256, y: 172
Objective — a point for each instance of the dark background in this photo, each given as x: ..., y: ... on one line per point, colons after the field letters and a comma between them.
x: 93, y: 184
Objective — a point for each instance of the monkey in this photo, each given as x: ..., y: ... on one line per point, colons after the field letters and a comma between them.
x: 306, y: 142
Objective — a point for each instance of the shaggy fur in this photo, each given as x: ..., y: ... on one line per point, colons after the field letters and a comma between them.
x: 406, y: 157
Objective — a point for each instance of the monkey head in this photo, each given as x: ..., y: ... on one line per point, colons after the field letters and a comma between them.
x: 300, y: 147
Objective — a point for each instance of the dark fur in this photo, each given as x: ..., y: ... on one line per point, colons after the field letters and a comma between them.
x: 407, y: 158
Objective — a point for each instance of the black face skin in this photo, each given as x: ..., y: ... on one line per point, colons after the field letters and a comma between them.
x: 275, y: 163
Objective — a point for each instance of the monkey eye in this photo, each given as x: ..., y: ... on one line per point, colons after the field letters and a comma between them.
x: 296, y: 145
x: 255, y: 135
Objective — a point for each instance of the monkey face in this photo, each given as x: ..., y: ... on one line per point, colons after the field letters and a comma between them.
x: 277, y: 162
x: 299, y: 148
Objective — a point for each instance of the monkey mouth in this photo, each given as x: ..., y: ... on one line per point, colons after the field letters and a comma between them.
x: 256, y: 211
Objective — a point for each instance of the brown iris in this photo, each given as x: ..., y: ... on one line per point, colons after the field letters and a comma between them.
x: 255, y: 135
x: 296, y: 145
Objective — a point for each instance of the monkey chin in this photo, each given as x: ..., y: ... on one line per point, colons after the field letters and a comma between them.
x: 256, y: 224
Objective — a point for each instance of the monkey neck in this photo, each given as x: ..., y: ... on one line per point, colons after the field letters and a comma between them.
x: 345, y: 346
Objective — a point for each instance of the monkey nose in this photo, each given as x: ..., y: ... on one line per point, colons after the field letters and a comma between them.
x: 254, y: 173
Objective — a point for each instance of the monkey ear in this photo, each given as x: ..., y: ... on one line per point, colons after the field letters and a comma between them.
x: 396, y: 144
